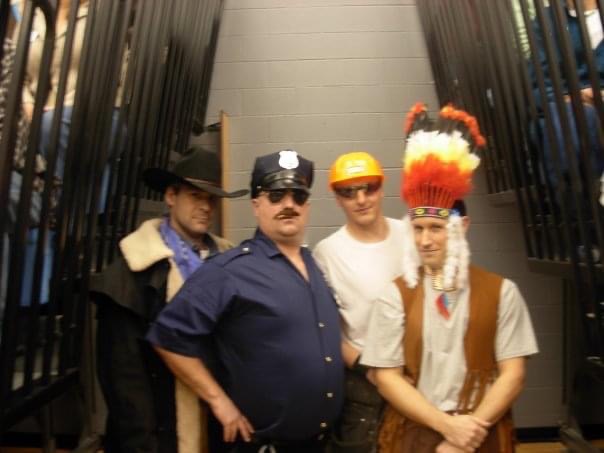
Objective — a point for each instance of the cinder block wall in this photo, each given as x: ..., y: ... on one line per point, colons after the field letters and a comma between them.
x: 329, y: 76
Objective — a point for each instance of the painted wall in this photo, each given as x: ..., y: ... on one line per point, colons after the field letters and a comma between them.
x: 325, y: 77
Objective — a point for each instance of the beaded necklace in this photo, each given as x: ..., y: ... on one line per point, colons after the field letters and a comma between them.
x: 445, y: 302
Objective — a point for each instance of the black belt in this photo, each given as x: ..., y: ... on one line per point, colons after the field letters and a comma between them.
x: 314, y: 444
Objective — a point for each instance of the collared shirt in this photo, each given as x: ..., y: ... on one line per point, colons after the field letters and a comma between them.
x: 275, y: 334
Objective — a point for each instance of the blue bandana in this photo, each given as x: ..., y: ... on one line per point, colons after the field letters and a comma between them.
x: 186, y: 257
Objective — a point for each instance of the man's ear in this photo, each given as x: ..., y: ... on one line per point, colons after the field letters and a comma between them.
x: 170, y: 196
x: 338, y: 201
x: 255, y: 206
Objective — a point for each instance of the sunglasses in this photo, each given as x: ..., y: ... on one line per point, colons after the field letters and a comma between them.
x: 275, y: 196
x: 351, y: 191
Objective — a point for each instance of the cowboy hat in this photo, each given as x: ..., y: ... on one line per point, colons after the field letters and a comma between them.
x: 197, y: 167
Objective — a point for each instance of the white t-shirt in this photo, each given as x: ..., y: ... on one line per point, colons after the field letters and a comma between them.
x: 358, y: 272
x: 443, y: 363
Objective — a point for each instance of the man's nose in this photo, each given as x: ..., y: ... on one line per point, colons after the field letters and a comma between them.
x: 425, y: 238
x: 204, y: 204
x: 288, y: 199
x: 361, y: 196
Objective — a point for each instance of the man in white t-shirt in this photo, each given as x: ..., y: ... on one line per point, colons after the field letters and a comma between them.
x: 448, y: 340
x: 358, y: 260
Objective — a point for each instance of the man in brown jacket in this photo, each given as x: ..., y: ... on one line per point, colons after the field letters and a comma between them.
x: 150, y: 410
x: 448, y: 340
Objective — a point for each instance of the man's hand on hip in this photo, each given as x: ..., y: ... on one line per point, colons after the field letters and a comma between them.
x: 232, y: 420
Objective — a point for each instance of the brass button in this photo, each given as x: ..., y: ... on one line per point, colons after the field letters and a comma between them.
x: 321, y: 325
x: 329, y: 395
x: 323, y: 425
x: 328, y: 359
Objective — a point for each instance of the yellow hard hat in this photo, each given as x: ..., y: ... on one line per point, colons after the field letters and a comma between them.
x: 354, y: 166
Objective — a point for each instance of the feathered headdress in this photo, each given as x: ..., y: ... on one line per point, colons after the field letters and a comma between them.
x: 439, y: 162
x: 437, y: 170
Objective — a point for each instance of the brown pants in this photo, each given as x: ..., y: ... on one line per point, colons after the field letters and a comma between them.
x: 407, y: 436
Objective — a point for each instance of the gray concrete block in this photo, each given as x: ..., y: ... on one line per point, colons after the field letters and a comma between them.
x: 237, y: 235
x: 237, y: 75
x: 407, y: 71
x: 539, y: 406
x: 324, y: 127
x: 238, y: 4
x: 481, y: 211
x: 325, y: 213
x: 547, y: 320
x: 359, y: 19
x: 225, y: 100
x: 250, y: 129
x: 273, y: 101
x: 544, y: 373
x: 550, y: 347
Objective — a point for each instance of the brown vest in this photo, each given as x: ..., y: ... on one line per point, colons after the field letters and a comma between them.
x: 479, y: 346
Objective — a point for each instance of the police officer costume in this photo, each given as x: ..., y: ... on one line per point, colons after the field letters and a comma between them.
x: 275, y: 335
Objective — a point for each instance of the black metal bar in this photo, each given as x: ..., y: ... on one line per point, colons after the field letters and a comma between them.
x: 202, y: 91
x: 115, y: 153
x: 4, y: 15
x: 150, y: 142
x: 25, y: 404
x: 128, y: 117
x: 192, y: 50
x: 476, y: 85
x: 100, y: 108
x: 541, y: 198
x: 144, y: 140
x: 167, y: 119
x: 76, y: 186
x: 137, y: 122
x: 194, y: 73
x: 509, y: 122
x: 181, y: 54
x: 52, y: 153
x: 562, y: 208
x: 569, y: 65
x: 8, y: 348
x: 530, y: 117
x: 433, y: 50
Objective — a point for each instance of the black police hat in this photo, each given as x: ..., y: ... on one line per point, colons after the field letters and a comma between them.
x: 283, y: 170
x: 197, y: 167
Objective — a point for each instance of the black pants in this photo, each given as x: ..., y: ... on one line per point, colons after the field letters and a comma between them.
x: 279, y: 447
x: 358, y: 426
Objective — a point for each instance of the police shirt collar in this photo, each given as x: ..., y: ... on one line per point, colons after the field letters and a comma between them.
x: 269, y: 247
x: 265, y: 243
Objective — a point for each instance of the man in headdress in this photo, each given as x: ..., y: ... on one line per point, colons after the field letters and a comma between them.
x: 448, y: 340
x: 148, y: 410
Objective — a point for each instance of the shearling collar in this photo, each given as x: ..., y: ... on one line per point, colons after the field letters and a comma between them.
x: 145, y: 247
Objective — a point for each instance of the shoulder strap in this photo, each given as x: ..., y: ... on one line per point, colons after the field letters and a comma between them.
x: 413, y: 306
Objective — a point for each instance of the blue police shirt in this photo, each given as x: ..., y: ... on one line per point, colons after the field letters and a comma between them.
x: 275, y: 334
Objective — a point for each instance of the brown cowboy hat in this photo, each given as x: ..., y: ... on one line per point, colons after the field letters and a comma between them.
x: 197, y: 167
